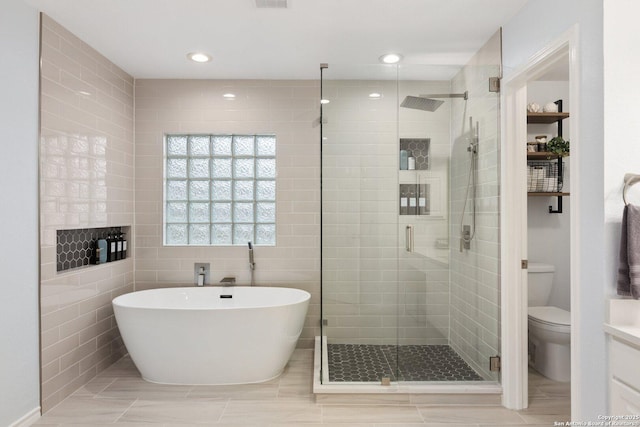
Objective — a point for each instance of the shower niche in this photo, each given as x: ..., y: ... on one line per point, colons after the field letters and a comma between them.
x: 416, y: 148
x: 414, y: 199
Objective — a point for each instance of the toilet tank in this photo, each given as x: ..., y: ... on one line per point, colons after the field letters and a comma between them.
x: 540, y: 277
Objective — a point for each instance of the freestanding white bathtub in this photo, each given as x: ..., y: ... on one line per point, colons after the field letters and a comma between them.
x: 211, y: 335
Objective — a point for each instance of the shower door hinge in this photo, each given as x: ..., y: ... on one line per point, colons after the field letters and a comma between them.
x: 324, y: 322
x: 494, y: 84
x: 494, y: 364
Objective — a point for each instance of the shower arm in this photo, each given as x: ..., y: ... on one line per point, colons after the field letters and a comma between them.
x: 464, y: 95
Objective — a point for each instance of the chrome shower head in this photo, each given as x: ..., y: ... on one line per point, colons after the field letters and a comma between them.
x: 420, y: 103
x: 427, y: 103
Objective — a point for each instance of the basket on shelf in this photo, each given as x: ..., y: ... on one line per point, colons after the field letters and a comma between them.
x: 543, y: 177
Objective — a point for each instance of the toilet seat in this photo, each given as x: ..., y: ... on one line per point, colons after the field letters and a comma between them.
x: 550, y: 318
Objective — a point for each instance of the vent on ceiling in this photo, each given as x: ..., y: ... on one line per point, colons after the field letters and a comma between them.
x: 271, y: 4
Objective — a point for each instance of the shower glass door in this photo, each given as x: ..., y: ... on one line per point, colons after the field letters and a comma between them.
x: 359, y: 223
x: 409, y: 164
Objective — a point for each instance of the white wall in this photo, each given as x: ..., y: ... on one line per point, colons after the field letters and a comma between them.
x: 621, y: 125
x: 538, y: 23
x: 548, y: 238
x: 19, y: 370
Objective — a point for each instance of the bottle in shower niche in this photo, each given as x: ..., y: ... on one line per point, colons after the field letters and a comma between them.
x: 108, y: 251
x: 119, y: 245
x: 413, y: 209
x: 411, y: 162
x: 112, y: 245
x: 423, y: 209
x: 101, y: 251
x: 95, y: 252
x: 124, y: 245
x: 404, y: 202
x: 404, y: 158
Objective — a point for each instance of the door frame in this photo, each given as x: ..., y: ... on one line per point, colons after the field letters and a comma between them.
x: 513, y: 219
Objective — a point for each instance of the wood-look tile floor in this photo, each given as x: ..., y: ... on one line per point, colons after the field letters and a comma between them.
x: 118, y: 396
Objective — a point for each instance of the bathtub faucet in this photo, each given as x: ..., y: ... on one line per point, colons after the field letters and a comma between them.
x: 228, y: 281
x: 252, y: 265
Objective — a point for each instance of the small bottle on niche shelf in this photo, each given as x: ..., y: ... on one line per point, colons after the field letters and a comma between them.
x: 404, y: 156
x: 411, y: 162
x: 102, y: 251
x: 124, y: 245
x: 404, y: 202
x: 412, y: 203
x: 113, y: 247
x: 119, y: 245
x: 95, y: 252
x: 108, y: 240
x: 422, y: 201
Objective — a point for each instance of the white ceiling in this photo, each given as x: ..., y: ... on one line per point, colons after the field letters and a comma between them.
x: 150, y: 38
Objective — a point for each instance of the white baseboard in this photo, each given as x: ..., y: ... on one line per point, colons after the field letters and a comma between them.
x: 27, y: 419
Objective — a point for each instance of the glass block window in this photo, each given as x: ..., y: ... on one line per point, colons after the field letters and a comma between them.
x: 220, y: 190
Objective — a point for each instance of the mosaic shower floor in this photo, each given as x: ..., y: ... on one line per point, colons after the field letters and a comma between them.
x: 369, y: 363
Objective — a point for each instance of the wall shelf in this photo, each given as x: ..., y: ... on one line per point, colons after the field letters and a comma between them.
x: 546, y: 118
x: 541, y: 155
x: 546, y: 194
x: 549, y: 118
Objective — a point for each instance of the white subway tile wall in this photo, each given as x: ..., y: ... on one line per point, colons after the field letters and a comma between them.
x: 475, y: 280
x: 86, y: 170
x: 288, y: 109
x: 424, y: 277
x: 373, y: 292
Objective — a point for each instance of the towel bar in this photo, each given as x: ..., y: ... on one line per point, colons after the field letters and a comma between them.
x: 629, y: 180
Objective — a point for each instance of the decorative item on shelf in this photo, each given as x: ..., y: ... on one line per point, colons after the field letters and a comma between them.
x: 541, y: 140
x: 550, y: 107
x: 533, y: 107
x: 559, y: 146
x: 532, y: 147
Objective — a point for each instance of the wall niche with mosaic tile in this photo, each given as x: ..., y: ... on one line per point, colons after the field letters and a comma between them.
x: 418, y: 148
x: 77, y: 248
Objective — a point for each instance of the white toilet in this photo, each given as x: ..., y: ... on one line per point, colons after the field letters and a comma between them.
x: 549, y: 327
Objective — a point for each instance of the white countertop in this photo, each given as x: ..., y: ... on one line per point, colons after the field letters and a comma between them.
x: 624, y: 320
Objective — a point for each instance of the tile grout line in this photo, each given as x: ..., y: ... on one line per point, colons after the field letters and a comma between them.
x: 97, y: 395
x: 226, y: 405
x: 125, y: 411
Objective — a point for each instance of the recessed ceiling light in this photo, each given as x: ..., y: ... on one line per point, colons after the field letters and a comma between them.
x: 391, y: 58
x: 375, y: 95
x: 324, y: 101
x: 199, y: 57
x: 229, y: 96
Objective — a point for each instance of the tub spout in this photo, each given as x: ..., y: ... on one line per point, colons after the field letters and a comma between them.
x: 228, y: 281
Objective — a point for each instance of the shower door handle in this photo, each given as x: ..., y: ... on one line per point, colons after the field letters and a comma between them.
x: 408, y: 238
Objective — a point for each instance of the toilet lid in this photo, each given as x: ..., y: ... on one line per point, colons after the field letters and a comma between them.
x: 551, y: 315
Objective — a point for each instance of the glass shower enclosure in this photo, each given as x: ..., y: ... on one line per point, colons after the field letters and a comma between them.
x: 410, y: 225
